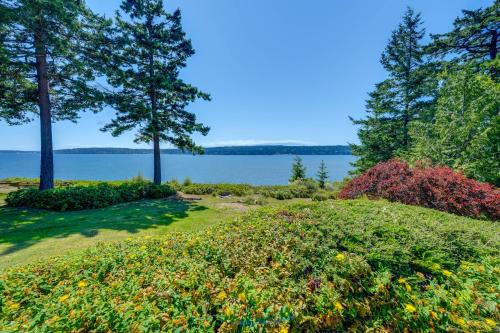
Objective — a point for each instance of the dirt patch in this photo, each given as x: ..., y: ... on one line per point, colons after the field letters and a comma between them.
x: 234, y: 206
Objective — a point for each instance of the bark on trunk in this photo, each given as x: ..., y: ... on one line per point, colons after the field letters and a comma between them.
x: 493, y: 45
x: 157, y: 159
x: 46, y: 150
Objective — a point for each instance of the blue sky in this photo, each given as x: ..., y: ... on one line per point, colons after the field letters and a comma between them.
x: 279, y: 71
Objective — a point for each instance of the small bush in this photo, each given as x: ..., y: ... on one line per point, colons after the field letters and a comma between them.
x: 434, y: 187
x: 86, y: 197
x: 187, y: 181
x: 319, y: 197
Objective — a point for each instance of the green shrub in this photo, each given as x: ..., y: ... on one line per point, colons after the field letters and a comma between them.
x: 233, y: 189
x: 86, y: 197
x: 319, y: 197
x: 341, y: 266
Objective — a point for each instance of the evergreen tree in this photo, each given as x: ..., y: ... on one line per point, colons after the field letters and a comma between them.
x: 406, y: 95
x: 474, y: 35
x: 298, y: 169
x: 45, y: 62
x: 149, y: 48
x: 466, y: 132
x: 322, y: 174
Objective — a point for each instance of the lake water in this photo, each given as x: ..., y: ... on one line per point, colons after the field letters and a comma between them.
x: 250, y: 169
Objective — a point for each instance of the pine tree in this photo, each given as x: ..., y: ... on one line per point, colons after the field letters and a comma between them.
x: 474, y: 35
x: 406, y: 95
x: 322, y: 174
x: 149, y: 48
x: 466, y: 132
x: 45, y: 60
x: 298, y: 169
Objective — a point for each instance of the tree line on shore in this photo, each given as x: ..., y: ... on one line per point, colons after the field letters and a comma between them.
x: 58, y: 58
x: 439, y: 103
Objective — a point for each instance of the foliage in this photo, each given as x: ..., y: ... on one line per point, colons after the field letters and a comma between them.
x: 47, y: 51
x: 465, y: 134
x: 216, y: 189
x: 314, y: 268
x: 322, y: 174
x: 474, y: 35
x: 405, y: 96
x: 298, y: 169
x: 147, y: 49
x: 86, y: 197
x: 434, y: 187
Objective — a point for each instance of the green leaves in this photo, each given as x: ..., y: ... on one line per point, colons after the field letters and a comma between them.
x: 405, y: 96
x: 465, y: 133
x: 147, y: 51
x: 66, y: 31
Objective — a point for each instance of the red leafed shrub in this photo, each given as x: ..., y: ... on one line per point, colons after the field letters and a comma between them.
x: 434, y: 187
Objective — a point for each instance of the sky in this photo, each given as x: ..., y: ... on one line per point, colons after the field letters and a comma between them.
x: 278, y: 71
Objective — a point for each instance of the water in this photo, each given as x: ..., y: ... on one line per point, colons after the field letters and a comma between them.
x: 250, y: 169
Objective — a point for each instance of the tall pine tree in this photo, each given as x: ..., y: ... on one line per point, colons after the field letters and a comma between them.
x: 46, y: 64
x: 149, y: 48
x: 404, y: 96
x: 298, y: 169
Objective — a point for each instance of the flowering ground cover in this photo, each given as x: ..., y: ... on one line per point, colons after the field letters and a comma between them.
x: 331, y: 266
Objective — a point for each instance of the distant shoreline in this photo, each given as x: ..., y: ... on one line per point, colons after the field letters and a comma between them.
x: 229, y: 150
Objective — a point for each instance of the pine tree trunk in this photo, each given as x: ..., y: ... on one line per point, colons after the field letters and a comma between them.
x: 493, y: 45
x: 46, y: 150
x: 157, y: 159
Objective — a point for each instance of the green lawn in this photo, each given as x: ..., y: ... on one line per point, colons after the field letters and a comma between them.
x: 28, y: 235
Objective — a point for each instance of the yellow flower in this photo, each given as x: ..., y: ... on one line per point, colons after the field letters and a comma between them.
x: 408, y: 287
x: 402, y: 280
x: 410, y: 308
x: 14, y: 306
x: 228, y: 312
x: 447, y: 273
x: 461, y: 322
x: 490, y: 322
x: 433, y: 314
x: 143, y: 247
x: 338, y: 306
x: 284, y: 329
x: 340, y: 257
x: 222, y: 295
x: 82, y: 284
x: 242, y: 297
x: 63, y: 298
x: 436, y: 267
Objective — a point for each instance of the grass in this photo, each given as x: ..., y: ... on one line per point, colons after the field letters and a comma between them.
x: 339, y: 265
x: 28, y: 235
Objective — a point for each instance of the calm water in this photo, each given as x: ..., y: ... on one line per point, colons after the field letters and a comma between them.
x: 256, y: 169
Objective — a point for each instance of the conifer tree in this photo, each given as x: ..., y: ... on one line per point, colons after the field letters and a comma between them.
x: 474, y: 36
x: 298, y: 169
x: 149, y: 47
x: 46, y: 63
x: 322, y: 174
x: 406, y: 95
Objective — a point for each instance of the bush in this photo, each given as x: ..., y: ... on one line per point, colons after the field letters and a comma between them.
x: 434, y: 187
x: 344, y: 266
x: 233, y: 189
x: 319, y: 197
x: 86, y: 197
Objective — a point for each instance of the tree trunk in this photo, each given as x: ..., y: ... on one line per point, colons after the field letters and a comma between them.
x: 46, y: 150
x: 157, y: 159
x: 493, y: 45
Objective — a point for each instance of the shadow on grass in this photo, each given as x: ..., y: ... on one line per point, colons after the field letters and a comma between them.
x: 22, y: 228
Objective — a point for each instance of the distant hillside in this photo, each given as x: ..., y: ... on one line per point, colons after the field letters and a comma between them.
x: 235, y: 150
